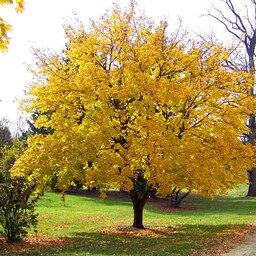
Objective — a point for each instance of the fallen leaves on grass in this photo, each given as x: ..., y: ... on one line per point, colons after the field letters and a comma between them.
x: 143, y: 233
x: 61, y: 225
x: 234, y: 239
x: 29, y: 243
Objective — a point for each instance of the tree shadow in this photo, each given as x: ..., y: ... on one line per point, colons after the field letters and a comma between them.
x: 180, y: 240
x: 113, y: 197
x: 241, y: 205
x: 198, y: 205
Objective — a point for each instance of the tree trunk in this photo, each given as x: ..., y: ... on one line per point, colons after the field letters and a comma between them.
x: 138, y: 206
x: 176, y: 198
x: 138, y: 214
x: 252, y: 182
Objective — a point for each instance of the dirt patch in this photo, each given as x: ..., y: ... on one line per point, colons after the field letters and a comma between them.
x: 96, y: 193
x: 163, y: 204
x: 143, y: 233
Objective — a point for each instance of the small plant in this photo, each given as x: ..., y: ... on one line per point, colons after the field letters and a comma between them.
x: 17, y: 209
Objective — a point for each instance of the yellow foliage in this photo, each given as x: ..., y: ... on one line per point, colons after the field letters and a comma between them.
x: 124, y: 98
x: 5, y: 28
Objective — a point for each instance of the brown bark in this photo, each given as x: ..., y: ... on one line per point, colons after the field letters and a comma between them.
x: 176, y: 198
x: 252, y: 182
x: 138, y: 206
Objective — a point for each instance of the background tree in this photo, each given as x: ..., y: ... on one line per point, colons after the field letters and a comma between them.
x: 5, y: 28
x: 9, y: 154
x: 12, y: 148
x: 138, y: 110
x: 32, y: 127
x: 176, y: 197
x: 6, y: 142
x: 5, y: 134
x: 241, y: 23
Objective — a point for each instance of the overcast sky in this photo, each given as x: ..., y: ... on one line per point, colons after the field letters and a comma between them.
x: 40, y: 25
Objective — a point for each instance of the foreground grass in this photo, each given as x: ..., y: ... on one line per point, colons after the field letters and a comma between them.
x: 76, y: 228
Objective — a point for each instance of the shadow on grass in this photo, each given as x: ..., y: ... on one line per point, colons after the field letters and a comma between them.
x: 224, y: 205
x: 194, y: 205
x: 184, y: 240
x: 228, y: 204
x: 113, y: 197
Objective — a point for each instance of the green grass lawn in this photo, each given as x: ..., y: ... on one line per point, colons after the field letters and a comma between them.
x: 76, y: 228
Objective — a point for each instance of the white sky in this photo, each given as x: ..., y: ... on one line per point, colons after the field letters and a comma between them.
x: 40, y: 25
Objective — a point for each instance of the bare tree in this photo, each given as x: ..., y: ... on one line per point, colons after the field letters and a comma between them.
x: 241, y: 23
x: 5, y: 134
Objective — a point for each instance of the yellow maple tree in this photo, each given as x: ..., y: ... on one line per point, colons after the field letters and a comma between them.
x: 133, y: 108
x: 5, y: 28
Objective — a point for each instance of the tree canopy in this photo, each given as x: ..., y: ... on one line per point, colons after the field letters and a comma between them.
x: 127, y: 103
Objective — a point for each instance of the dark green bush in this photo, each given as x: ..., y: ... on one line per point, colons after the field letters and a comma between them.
x: 17, y: 209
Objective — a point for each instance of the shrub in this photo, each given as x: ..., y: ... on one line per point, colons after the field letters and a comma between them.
x: 17, y: 209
